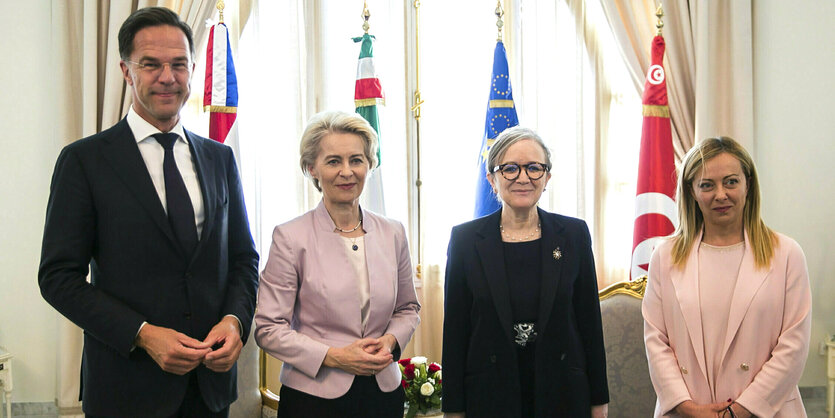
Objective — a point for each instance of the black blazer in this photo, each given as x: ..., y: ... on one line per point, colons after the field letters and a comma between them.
x: 104, y: 212
x: 481, y: 373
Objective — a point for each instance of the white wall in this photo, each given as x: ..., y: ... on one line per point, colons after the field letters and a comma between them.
x: 29, y: 149
x: 794, y: 125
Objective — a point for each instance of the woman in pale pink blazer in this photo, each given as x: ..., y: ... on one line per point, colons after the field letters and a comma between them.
x: 337, y: 300
x: 727, y: 306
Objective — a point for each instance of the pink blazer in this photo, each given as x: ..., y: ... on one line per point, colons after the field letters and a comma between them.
x: 308, y: 300
x: 765, y: 346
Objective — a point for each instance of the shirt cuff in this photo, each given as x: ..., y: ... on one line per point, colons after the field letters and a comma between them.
x: 133, y: 346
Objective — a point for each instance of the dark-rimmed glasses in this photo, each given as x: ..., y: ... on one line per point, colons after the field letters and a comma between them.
x: 511, y: 171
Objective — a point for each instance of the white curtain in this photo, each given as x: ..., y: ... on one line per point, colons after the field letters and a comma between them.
x: 428, y: 338
x: 722, y: 32
x: 633, y: 23
x: 708, y: 59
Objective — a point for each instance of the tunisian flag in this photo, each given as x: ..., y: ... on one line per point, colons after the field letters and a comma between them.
x: 655, y: 207
x: 220, y: 92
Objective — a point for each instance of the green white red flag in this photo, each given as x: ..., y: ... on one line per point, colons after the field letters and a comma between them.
x: 368, y: 94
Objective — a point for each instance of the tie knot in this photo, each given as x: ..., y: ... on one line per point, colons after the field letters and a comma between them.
x: 166, y: 140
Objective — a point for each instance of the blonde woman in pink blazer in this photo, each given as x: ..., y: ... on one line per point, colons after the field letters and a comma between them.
x: 727, y: 307
x: 337, y: 300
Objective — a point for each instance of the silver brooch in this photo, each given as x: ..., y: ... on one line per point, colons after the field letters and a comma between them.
x: 525, y: 333
x: 557, y: 253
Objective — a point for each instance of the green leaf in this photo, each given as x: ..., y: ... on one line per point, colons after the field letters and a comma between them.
x: 412, y: 411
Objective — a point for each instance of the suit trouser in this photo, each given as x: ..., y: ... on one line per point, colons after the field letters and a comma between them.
x: 364, y: 399
x: 193, y: 405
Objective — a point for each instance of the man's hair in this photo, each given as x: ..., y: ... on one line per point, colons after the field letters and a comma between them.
x: 147, y: 17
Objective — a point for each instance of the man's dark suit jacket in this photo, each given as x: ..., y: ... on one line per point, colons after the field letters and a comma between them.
x: 104, y: 212
x: 481, y: 373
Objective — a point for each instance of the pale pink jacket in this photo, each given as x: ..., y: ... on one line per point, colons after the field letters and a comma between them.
x: 309, y: 299
x: 766, y: 344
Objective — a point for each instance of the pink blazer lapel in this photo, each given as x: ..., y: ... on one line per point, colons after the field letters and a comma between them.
x: 748, y: 281
x: 686, y: 283
x: 380, y: 281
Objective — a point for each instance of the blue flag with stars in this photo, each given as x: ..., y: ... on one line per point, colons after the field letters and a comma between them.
x: 501, y: 114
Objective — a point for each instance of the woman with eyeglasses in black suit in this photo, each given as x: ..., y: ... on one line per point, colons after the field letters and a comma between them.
x: 522, y: 330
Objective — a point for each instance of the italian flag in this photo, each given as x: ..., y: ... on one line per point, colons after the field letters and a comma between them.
x: 368, y: 93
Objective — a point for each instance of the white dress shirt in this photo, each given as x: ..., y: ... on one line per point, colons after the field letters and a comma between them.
x: 153, y: 154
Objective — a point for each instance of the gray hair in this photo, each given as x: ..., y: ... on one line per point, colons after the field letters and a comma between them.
x: 506, y: 139
x: 325, y: 123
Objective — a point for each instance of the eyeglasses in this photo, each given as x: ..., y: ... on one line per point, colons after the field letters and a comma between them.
x: 511, y: 171
x: 155, y: 68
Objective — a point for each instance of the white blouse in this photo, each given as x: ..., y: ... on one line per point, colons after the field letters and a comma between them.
x: 357, y: 259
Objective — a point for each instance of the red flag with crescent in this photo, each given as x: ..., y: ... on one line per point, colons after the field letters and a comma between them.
x: 655, y: 208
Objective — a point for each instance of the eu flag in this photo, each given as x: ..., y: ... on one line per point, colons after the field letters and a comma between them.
x: 501, y: 114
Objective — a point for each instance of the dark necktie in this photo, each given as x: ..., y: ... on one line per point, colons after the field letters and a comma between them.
x: 180, y: 210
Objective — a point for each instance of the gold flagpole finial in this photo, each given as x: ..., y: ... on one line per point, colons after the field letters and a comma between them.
x: 499, y: 21
x: 220, y: 6
x: 365, y: 16
x: 659, y: 24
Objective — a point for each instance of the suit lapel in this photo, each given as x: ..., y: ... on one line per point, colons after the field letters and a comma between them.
x: 686, y: 285
x: 490, y: 251
x: 205, y: 168
x: 551, y: 265
x: 121, y: 152
x: 748, y: 281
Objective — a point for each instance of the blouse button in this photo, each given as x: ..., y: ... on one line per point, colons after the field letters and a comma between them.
x: 684, y: 370
x: 744, y: 366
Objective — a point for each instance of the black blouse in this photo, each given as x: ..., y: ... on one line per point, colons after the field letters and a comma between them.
x: 523, y: 267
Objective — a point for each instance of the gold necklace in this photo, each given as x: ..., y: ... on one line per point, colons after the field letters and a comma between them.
x: 525, y: 238
x: 348, y: 231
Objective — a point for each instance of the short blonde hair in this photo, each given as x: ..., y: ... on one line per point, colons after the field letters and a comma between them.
x: 690, y: 217
x: 325, y: 123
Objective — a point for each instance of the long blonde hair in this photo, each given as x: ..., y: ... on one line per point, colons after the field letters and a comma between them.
x: 690, y: 217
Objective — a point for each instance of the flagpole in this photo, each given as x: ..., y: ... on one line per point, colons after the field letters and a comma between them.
x: 417, y: 102
x: 499, y: 21
x: 659, y: 24
x: 365, y: 16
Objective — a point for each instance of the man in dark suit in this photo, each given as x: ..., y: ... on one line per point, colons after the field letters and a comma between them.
x: 157, y: 212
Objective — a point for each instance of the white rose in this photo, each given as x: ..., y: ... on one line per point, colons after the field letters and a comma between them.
x: 438, y: 375
x: 418, y: 360
x: 427, y: 389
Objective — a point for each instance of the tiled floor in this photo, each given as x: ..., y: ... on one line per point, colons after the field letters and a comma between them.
x: 815, y: 408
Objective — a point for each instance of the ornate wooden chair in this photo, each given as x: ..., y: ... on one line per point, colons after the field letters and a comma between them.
x: 630, y: 389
